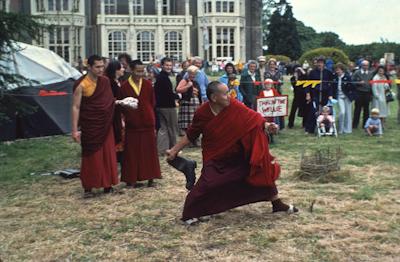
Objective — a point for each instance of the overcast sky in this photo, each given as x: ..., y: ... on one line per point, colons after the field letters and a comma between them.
x: 355, y: 21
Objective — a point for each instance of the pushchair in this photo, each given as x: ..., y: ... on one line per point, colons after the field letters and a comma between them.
x: 327, y: 129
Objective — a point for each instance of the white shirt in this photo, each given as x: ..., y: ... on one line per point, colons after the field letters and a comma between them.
x: 268, y: 93
x: 253, y: 76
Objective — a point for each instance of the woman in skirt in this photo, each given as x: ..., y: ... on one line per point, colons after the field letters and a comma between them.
x: 191, y: 98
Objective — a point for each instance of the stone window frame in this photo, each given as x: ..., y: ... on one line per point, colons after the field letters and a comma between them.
x: 173, y: 47
x: 145, y: 44
x: 117, y: 43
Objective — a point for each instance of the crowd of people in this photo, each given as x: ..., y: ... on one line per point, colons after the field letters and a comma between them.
x: 126, y: 112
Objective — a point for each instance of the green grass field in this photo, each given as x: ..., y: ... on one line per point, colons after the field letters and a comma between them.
x: 355, y: 216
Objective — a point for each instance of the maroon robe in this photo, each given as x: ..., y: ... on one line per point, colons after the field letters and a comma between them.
x: 237, y: 166
x: 98, y: 166
x: 140, y: 157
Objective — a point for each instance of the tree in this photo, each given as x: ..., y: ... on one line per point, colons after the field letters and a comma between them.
x: 310, y: 39
x: 14, y: 27
x: 330, y: 39
x: 374, y: 50
x: 268, y: 6
x: 283, y: 38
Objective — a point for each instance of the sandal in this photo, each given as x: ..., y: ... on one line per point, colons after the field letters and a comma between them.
x: 191, y: 221
x: 291, y: 210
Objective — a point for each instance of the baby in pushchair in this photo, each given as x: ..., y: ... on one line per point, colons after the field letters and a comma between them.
x: 326, y: 122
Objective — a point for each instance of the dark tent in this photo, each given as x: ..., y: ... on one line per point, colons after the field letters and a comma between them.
x: 49, y: 102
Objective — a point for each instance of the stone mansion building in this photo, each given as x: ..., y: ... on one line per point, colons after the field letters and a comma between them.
x: 148, y: 29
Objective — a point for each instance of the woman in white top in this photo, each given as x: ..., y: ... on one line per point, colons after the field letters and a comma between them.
x: 378, y: 93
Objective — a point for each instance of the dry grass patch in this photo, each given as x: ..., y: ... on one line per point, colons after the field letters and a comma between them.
x: 48, y: 220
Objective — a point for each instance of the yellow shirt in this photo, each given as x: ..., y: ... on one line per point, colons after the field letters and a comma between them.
x: 88, y: 86
x: 135, y: 88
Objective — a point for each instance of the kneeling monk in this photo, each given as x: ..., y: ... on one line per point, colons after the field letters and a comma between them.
x: 93, y: 111
x: 238, y: 168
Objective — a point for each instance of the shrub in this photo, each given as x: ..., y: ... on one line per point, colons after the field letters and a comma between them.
x: 336, y: 54
x: 281, y: 58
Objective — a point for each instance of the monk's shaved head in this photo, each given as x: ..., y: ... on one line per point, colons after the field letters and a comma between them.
x: 217, y: 94
x: 212, y: 88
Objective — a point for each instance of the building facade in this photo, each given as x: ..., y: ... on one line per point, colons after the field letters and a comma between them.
x: 145, y: 29
x: 67, y: 37
x: 148, y: 29
x: 221, y: 29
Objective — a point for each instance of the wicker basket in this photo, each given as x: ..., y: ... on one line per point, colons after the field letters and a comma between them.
x: 317, y: 164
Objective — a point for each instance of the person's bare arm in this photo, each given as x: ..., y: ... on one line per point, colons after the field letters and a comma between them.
x: 76, y: 105
x: 183, y: 86
x: 173, y: 152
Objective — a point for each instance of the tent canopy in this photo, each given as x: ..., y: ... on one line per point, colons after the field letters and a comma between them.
x: 40, y: 65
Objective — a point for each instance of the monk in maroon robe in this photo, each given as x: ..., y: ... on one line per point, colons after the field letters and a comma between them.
x: 238, y: 168
x: 140, y: 157
x: 92, y: 111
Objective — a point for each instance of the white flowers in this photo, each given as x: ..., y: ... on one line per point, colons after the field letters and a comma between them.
x: 130, y: 102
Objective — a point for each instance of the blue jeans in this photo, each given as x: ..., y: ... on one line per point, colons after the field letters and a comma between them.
x: 345, y: 115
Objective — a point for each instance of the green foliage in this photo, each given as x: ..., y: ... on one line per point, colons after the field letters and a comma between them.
x: 310, y: 39
x: 281, y: 58
x: 307, y: 36
x: 14, y: 27
x: 21, y: 158
x: 374, y: 51
x: 283, y: 37
x: 364, y: 193
x: 336, y: 54
x: 268, y: 6
x: 330, y: 39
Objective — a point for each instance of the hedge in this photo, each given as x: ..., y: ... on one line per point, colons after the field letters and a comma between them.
x: 281, y: 58
x: 336, y: 54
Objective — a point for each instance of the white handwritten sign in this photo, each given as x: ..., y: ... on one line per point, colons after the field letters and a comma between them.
x: 273, y: 106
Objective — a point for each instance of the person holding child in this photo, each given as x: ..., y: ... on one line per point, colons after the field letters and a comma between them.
x: 229, y: 69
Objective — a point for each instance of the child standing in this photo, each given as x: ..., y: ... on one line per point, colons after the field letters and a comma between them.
x: 373, y: 126
x: 269, y: 91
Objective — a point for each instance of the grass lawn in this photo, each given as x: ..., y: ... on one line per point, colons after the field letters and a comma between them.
x: 355, y: 217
